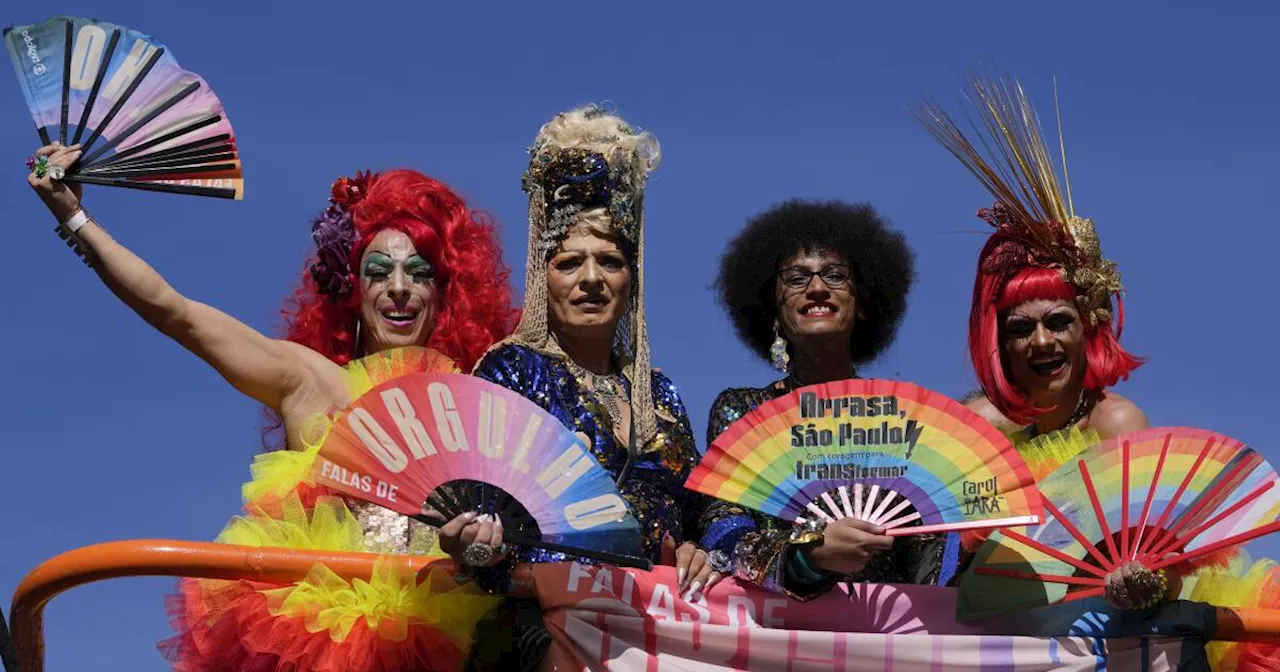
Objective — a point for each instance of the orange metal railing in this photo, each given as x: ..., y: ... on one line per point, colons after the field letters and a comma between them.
x: 162, y: 557
x: 159, y: 557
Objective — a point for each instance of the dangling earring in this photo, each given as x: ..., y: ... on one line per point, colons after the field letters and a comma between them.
x: 357, y: 344
x: 778, y: 351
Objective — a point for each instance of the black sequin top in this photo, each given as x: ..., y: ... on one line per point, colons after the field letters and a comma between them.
x: 760, y: 545
x: 655, y: 487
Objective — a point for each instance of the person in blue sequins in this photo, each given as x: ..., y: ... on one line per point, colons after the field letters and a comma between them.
x: 815, y: 288
x: 581, y: 351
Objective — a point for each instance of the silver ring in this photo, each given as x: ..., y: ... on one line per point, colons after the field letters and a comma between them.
x: 56, y: 173
x: 720, y: 562
x: 478, y: 554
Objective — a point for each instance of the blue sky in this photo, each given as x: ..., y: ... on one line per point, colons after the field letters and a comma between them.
x: 113, y: 432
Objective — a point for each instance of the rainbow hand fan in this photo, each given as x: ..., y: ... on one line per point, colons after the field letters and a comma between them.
x: 143, y: 121
x: 1159, y: 497
x: 370, y: 371
x: 894, y: 454
x: 458, y: 443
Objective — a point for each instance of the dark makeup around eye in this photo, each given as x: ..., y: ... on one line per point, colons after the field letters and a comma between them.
x: 379, y: 265
x: 1021, y: 326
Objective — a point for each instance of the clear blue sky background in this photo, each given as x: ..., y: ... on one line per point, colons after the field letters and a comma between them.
x: 113, y: 432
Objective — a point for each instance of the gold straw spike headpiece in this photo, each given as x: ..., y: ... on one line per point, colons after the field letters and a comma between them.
x: 1033, y: 215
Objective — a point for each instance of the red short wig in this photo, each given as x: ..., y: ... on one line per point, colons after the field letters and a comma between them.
x: 994, y: 295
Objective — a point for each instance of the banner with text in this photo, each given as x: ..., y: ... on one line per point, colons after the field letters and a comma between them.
x: 604, y: 618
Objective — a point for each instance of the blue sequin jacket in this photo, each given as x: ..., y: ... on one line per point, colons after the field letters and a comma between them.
x: 760, y: 545
x: 655, y: 487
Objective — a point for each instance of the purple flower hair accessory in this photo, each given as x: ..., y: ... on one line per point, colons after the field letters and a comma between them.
x: 334, y: 235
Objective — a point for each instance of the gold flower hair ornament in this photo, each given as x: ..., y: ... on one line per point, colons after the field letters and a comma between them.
x: 1096, y: 276
x: 1035, y: 219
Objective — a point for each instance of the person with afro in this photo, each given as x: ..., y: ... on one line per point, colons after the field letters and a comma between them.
x: 816, y: 289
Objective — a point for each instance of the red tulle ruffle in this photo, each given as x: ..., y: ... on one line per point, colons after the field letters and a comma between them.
x: 230, y: 629
x: 271, y: 506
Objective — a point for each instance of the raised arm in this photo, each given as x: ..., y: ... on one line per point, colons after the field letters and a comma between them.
x: 262, y: 368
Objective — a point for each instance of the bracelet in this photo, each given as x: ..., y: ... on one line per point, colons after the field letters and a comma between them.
x: 77, y: 220
x: 799, y: 568
x: 68, y: 231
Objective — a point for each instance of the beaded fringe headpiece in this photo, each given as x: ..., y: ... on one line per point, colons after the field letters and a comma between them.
x: 563, y: 182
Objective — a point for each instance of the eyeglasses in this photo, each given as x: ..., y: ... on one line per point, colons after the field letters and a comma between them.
x: 834, y: 275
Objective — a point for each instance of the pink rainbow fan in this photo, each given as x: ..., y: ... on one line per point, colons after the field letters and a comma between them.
x: 458, y: 443
x: 142, y: 121
x: 1160, y: 496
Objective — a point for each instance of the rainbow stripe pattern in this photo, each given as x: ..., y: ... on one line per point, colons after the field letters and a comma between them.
x: 143, y: 121
x: 1159, y: 496
x: 403, y: 439
x: 907, y: 458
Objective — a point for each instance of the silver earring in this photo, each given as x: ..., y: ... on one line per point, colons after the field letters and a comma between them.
x: 357, y: 343
x: 778, y: 351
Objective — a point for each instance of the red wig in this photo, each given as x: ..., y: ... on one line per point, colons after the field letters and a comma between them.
x: 474, y: 309
x: 995, y: 293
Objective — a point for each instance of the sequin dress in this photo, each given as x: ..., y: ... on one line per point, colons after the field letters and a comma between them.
x: 761, y: 546
x: 654, y: 489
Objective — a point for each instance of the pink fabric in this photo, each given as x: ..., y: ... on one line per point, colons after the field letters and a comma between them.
x: 604, y: 618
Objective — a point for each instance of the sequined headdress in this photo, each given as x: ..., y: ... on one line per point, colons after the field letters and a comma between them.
x: 1034, y: 218
x: 596, y: 171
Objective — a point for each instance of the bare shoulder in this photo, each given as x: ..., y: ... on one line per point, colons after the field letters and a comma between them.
x: 981, y: 405
x: 1116, y: 414
x: 304, y: 354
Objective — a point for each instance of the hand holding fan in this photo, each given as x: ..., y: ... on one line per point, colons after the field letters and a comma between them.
x: 458, y: 443
x: 143, y: 122
x: 1159, y: 497
x: 891, y: 453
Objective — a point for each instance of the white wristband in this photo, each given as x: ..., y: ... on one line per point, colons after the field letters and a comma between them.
x: 76, y: 221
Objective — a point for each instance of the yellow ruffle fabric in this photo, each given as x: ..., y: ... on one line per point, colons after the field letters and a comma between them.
x: 1046, y: 452
x: 280, y: 472
x: 330, y: 526
x: 389, y: 603
x: 1243, y: 582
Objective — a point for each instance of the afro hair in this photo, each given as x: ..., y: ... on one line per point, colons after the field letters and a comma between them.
x: 882, y: 263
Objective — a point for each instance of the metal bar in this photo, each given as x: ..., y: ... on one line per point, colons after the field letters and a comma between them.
x: 163, y: 557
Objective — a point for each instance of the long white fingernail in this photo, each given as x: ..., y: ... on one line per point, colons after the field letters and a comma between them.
x: 470, y: 515
x: 680, y: 576
x: 692, y: 594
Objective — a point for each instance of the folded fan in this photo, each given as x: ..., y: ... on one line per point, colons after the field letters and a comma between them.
x: 457, y: 443
x: 892, y: 453
x: 142, y: 121
x: 1160, y: 496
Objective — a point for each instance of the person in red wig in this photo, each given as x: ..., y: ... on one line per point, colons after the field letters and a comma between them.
x: 1043, y: 327
x: 405, y: 278
x: 1043, y: 336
